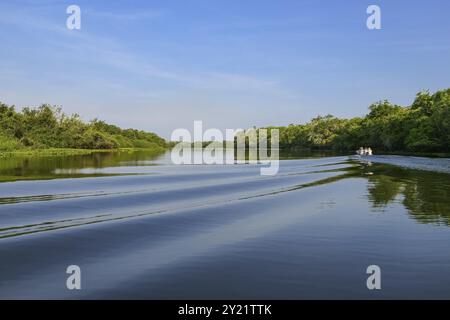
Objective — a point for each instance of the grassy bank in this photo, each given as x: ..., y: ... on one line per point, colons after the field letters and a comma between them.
x: 50, y: 152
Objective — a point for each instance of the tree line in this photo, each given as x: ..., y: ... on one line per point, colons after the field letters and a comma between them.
x: 49, y: 127
x: 424, y: 126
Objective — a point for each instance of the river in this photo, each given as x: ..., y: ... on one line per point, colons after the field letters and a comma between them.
x: 141, y: 227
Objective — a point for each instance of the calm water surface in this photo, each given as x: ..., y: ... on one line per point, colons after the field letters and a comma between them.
x: 140, y: 227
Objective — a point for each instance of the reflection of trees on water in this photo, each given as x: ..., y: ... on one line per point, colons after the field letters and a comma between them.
x: 425, y: 194
x: 43, y: 167
x: 383, y: 191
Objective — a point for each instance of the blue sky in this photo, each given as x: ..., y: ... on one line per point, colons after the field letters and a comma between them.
x: 160, y: 65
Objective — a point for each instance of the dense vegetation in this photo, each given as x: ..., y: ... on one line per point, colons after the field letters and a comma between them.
x: 422, y: 127
x: 48, y: 127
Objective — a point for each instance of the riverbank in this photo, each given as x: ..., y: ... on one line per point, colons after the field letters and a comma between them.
x: 48, y: 130
x: 416, y: 154
x: 293, y: 152
x: 51, y: 152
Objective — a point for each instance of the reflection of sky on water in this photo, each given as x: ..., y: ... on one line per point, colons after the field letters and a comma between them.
x: 309, y: 231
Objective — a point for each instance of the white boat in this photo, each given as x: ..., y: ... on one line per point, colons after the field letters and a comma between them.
x: 364, y: 152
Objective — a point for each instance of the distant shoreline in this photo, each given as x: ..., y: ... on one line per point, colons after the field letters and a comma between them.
x: 48, y: 152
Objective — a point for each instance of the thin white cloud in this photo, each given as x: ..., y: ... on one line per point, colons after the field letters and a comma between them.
x: 108, y: 51
x: 133, y: 78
